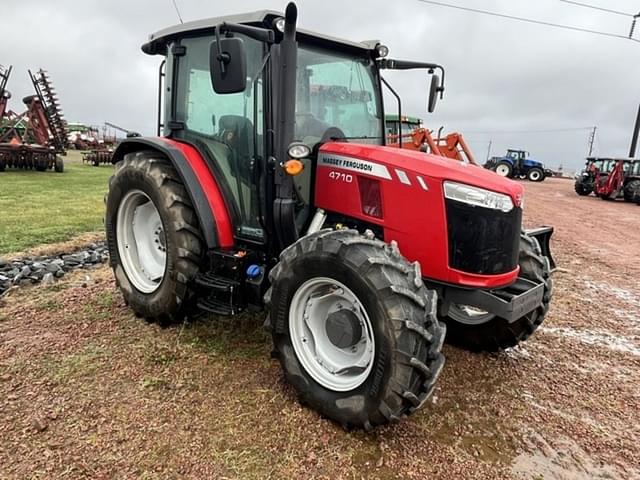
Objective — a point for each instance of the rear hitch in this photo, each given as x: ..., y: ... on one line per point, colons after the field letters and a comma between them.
x: 543, y: 235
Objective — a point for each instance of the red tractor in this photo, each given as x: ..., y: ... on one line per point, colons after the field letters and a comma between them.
x: 617, y: 178
x: 272, y: 187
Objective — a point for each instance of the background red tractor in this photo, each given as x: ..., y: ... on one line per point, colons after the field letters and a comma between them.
x: 272, y: 186
x: 617, y: 178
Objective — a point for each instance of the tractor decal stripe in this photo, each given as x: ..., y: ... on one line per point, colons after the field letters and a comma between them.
x: 403, y: 177
x: 354, y: 165
x: 422, y: 183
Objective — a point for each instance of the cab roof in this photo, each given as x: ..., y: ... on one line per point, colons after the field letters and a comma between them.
x: 157, y: 43
x: 625, y: 159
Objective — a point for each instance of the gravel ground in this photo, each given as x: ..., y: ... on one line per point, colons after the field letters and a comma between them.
x: 89, y: 391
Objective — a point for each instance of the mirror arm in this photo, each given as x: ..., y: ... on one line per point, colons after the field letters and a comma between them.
x: 395, y: 94
x: 223, y: 58
x: 260, y: 34
x: 391, y: 64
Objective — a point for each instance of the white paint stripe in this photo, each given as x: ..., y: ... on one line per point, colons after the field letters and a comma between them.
x: 354, y: 165
x: 403, y: 177
x: 422, y: 183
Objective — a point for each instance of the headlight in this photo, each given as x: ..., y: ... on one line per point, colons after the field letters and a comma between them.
x: 477, y: 197
x: 298, y: 150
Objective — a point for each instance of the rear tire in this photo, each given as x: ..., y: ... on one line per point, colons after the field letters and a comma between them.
x: 149, y: 175
x: 630, y: 190
x: 535, y: 175
x: 399, y: 310
x: 504, y: 169
x: 492, y: 333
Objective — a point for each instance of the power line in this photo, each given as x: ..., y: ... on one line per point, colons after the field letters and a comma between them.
x: 594, y: 7
x: 529, y: 20
x: 177, y: 10
x: 549, y: 130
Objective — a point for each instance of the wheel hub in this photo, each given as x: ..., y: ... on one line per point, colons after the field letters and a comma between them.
x: 331, y: 334
x: 343, y: 328
x: 502, y: 170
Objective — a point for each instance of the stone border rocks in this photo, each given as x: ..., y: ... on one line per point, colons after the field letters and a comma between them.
x: 45, y: 269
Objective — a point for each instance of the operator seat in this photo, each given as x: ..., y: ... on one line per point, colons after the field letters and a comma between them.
x: 308, y: 125
x: 237, y: 133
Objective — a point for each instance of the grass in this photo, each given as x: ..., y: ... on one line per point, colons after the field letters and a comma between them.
x: 78, y: 365
x: 47, y: 207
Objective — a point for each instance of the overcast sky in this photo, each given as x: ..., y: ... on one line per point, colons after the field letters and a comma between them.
x: 501, y: 74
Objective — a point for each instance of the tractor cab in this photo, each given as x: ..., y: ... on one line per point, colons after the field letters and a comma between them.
x: 517, y: 154
x: 312, y: 91
x: 404, y: 126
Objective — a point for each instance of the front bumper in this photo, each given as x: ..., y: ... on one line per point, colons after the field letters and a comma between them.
x: 511, y: 302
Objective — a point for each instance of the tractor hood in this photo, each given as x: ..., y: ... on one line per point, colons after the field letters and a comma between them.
x: 405, y: 165
x: 463, y: 236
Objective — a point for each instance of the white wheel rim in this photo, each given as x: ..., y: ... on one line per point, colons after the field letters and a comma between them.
x: 535, y: 175
x: 141, y: 241
x: 502, y: 170
x: 337, y: 369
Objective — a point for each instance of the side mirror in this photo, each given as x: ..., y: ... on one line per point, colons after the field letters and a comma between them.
x: 228, y: 65
x: 434, y: 90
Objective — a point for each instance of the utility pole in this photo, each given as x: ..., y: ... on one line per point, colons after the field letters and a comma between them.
x: 592, y: 138
x: 633, y: 24
x: 634, y: 138
x: 489, y: 151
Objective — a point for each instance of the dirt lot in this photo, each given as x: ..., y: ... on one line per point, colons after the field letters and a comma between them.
x: 88, y: 390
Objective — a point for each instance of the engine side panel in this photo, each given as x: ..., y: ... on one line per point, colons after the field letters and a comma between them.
x: 204, y: 193
x: 412, y: 203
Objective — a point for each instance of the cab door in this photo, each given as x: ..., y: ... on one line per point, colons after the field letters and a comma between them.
x: 228, y: 129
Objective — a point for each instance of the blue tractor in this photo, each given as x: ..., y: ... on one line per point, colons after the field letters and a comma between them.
x: 518, y: 164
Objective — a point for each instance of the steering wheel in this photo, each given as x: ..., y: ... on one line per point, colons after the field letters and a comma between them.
x: 333, y: 134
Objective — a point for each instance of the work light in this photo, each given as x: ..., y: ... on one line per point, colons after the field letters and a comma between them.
x: 382, y: 50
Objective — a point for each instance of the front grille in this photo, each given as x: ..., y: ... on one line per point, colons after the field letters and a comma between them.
x: 483, y: 240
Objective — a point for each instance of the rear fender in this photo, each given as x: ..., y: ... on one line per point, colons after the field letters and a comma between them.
x: 543, y: 235
x: 199, y: 182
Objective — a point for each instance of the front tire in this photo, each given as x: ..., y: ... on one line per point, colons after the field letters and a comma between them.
x: 367, y: 283
x: 535, y: 175
x: 154, y: 239
x: 583, y: 189
x: 475, y: 330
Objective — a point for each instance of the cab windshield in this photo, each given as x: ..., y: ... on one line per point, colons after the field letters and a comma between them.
x: 336, y: 96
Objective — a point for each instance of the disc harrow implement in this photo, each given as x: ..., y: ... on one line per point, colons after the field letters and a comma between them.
x: 35, y: 138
